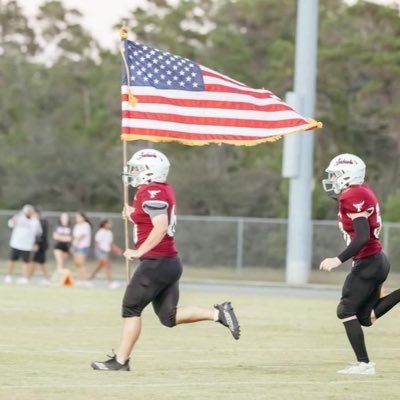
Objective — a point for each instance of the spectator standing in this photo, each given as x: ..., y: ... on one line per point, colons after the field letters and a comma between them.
x: 25, y: 229
x: 42, y: 244
x: 62, y: 237
x: 81, y: 240
x: 103, y: 246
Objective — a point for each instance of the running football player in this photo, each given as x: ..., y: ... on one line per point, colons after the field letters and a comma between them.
x: 360, y: 222
x: 156, y: 279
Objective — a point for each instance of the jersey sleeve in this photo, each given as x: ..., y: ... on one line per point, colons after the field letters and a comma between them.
x: 155, y: 202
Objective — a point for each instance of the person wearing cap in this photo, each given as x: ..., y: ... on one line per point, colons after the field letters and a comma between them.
x: 25, y: 229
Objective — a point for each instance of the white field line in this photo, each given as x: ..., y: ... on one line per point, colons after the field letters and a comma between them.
x: 12, y: 350
x: 203, y: 384
x: 243, y: 350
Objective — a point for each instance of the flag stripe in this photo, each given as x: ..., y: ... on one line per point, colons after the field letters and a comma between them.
x: 190, y: 136
x: 203, y: 97
x: 211, y: 121
x: 218, y: 104
x: 207, y: 129
x: 210, y: 80
x: 206, y: 112
x: 210, y: 72
x: 228, y: 89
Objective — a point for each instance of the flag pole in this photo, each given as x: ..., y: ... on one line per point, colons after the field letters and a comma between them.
x: 124, y: 35
x: 126, y: 221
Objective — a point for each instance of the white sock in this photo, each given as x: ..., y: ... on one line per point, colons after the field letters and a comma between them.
x: 216, y: 314
x: 119, y: 361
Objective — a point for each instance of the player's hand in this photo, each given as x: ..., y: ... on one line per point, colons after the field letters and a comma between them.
x: 329, y: 263
x: 130, y: 254
x: 127, y: 211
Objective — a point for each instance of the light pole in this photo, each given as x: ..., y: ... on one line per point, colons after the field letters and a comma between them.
x: 299, y: 149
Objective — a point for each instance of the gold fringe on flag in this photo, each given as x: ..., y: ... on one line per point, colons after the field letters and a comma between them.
x: 123, y: 34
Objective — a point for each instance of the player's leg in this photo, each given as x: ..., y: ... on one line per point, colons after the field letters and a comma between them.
x: 139, y: 293
x: 189, y: 314
x: 165, y: 306
x: 360, y: 291
x: 365, y: 313
x: 355, y: 292
x: 385, y: 303
x: 165, y: 303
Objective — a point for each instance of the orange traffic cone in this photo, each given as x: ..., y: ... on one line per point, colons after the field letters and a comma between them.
x: 67, y: 279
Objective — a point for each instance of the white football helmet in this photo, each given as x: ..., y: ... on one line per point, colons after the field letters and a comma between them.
x: 146, y: 166
x: 343, y: 171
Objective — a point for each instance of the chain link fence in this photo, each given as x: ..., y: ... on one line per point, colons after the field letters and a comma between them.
x: 234, y: 243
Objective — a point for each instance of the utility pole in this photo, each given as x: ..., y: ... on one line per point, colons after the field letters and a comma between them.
x: 299, y: 149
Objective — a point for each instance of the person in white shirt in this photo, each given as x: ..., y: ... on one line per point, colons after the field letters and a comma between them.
x: 103, y: 245
x: 81, y: 240
x: 25, y: 230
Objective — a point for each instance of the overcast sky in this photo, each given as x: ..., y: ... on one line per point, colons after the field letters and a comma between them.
x: 101, y: 15
x: 98, y: 15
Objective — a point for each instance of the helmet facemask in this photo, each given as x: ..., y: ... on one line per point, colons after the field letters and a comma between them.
x: 333, y: 185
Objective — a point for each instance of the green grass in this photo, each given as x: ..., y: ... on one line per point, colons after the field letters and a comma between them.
x: 290, y: 349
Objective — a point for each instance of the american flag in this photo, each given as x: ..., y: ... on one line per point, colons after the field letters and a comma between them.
x: 176, y: 99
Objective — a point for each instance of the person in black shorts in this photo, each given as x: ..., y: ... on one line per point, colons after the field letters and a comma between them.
x: 156, y: 279
x: 360, y: 221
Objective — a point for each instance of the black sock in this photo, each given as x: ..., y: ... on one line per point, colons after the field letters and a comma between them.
x: 386, y: 303
x: 356, y: 339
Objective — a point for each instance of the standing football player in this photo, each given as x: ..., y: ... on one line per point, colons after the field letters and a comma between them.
x: 156, y: 279
x: 360, y: 222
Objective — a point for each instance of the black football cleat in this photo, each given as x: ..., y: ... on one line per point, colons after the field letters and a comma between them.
x: 227, y: 317
x: 111, y: 365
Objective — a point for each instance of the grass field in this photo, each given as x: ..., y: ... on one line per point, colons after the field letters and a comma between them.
x: 290, y: 349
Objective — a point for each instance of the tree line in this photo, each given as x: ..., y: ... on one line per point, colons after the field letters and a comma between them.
x: 60, y: 109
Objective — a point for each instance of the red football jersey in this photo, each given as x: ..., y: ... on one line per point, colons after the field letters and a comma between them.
x: 148, y: 199
x: 358, y: 199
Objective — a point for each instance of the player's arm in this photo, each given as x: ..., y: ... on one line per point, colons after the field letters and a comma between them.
x: 360, y: 239
x: 361, y: 236
x: 158, y: 212
x: 160, y: 228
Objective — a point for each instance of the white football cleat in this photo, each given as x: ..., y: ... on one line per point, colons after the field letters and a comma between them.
x: 360, y: 368
x: 8, y: 279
